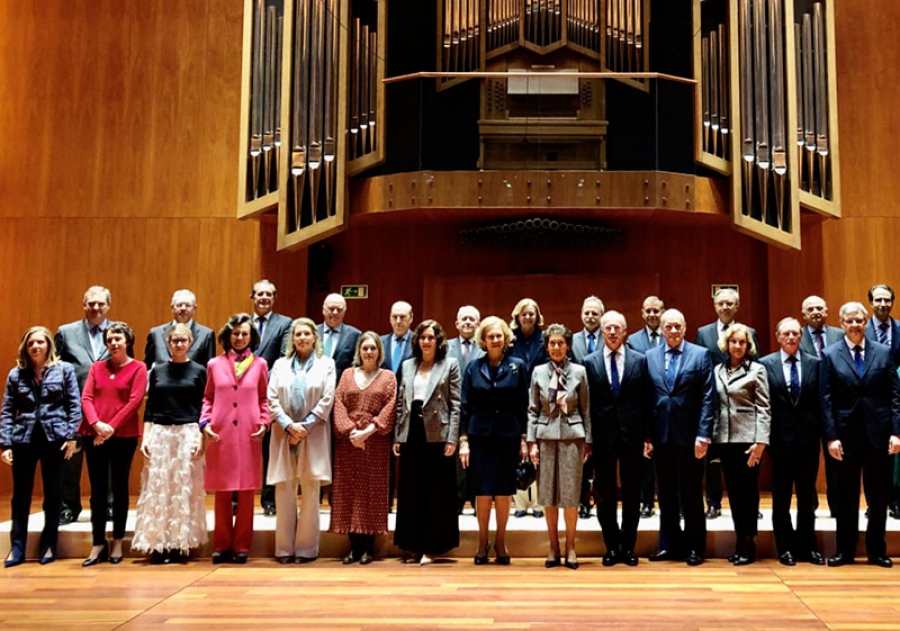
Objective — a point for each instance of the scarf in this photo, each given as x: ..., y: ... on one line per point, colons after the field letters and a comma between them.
x: 242, y: 362
x: 557, y: 389
x: 296, y: 407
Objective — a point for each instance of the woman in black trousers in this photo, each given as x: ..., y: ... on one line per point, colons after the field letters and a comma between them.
x: 38, y: 423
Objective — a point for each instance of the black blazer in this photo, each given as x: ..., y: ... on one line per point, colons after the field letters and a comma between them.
x: 708, y: 338
x: 795, y: 425
x: 343, y: 354
x: 494, y: 408
x: 622, y: 421
x: 202, y: 349
x: 688, y: 409
x: 832, y: 335
x: 534, y: 345
x: 860, y: 411
x: 275, y: 337
x: 872, y: 335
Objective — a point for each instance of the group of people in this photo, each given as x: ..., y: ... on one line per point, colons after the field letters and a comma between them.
x: 291, y: 405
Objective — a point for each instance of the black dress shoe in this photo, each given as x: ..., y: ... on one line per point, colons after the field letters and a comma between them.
x: 693, y: 558
x: 175, y: 556
x: 47, y: 555
x: 664, y: 555
x: 240, y: 558
x: 629, y: 558
x: 647, y: 511
x: 786, y: 558
x: 539, y: 514
x: 840, y: 559
x: 610, y: 558
x: 894, y: 512
x: 269, y: 510
x: 285, y: 560
x: 221, y: 556
x: 814, y: 557
x: 16, y: 557
x: 66, y: 517
x: 882, y: 561
x: 502, y: 559
x: 302, y: 560
x: 571, y: 560
x: 157, y: 558
x: 713, y: 511
x: 100, y: 558
x: 741, y: 560
x: 351, y: 558
x: 553, y: 560
x: 366, y: 558
x: 520, y: 513
x: 584, y: 511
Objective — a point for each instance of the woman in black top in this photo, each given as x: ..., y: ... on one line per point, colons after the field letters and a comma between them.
x: 171, y: 512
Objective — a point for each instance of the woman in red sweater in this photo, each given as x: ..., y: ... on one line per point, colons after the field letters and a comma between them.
x: 112, y: 395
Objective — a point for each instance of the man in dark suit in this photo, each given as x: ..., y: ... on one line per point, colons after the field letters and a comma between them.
x: 884, y: 329
x: 81, y: 344
x: 398, y: 345
x: 650, y: 336
x: 587, y: 340
x: 338, y: 339
x: 796, y: 430
x: 816, y: 334
x: 274, y: 333
x: 861, y: 411
x: 726, y: 303
x: 464, y: 349
x: 684, y: 405
x: 617, y: 378
x: 203, y: 348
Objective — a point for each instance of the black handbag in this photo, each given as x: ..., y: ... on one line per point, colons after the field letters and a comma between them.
x: 525, y: 475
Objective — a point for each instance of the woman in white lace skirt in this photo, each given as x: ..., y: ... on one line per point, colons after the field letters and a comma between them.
x: 171, y: 511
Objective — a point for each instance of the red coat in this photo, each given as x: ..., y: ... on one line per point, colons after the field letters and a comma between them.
x: 235, y: 409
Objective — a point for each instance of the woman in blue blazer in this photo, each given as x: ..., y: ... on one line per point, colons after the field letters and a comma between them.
x: 492, y: 425
x: 39, y: 419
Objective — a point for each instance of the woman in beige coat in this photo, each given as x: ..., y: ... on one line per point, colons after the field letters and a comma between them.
x: 301, y: 394
x: 741, y: 433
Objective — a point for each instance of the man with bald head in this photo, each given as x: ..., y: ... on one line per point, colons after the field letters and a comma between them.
x: 338, y: 339
x: 184, y: 307
x: 816, y: 333
x: 650, y: 335
x: 398, y: 343
x: 684, y: 406
x: 588, y: 339
x: 617, y: 378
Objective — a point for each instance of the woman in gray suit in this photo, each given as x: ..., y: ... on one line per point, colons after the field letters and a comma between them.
x: 425, y: 439
x: 559, y: 438
x: 741, y: 433
x: 301, y: 395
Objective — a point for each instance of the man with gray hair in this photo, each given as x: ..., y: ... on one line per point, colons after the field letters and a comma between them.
x: 338, y: 339
x: 860, y: 393
x: 588, y: 340
x: 184, y: 307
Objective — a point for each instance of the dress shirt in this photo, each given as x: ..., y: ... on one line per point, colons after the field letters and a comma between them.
x: 651, y: 333
x: 620, y: 360
x: 851, y: 346
x: 786, y: 367
x: 97, y: 333
x: 889, y: 330
x: 669, y: 349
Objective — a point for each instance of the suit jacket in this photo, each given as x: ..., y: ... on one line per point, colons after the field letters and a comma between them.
x: 744, y: 410
x: 856, y: 410
x: 275, y: 338
x: 795, y: 424
x: 640, y: 341
x: 688, y: 409
x: 580, y: 345
x: 871, y: 334
x: 73, y: 343
x: 708, y: 338
x: 545, y: 423
x: 343, y: 354
x: 530, y: 351
x: 622, y: 421
x: 453, y: 350
x: 491, y: 407
x: 310, y: 459
x: 388, y: 353
x: 201, y: 351
x: 832, y: 335
x: 440, y: 406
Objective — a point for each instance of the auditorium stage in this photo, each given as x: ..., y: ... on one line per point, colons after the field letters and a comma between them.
x: 527, y: 536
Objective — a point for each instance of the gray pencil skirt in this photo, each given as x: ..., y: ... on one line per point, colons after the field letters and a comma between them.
x: 559, y: 473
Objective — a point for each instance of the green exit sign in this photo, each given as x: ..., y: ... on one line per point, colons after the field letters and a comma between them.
x: 355, y: 291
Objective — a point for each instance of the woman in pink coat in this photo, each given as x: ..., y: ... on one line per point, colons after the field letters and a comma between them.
x: 234, y: 419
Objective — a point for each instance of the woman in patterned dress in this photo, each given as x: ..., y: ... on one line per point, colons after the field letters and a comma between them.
x: 364, y: 412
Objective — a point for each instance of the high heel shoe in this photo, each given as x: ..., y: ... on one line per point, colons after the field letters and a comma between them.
x: 48, y: 555
x: 115, y: 560
x: 553, y: 560
x: 571, y: 560
x: 100, y: 558
x: 15, y: 557
x: 482, y: 559
x: 502, y: 559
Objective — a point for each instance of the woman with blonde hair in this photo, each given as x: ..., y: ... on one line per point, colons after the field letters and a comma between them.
x: 301, y: 395
x: 38, y: 423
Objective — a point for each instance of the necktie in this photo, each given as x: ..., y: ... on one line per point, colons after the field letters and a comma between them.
x: 96, y: 341
x: 795, y: 379
x: 591, y: 346
x: 329, y: 341
x: 261, y: 325
x: 465, y: 349
x: 654, y: 339
x: 398, y: 354
x: 614, y: 373
x: 882, y: 332
x: 819, y: 340
x: 671, y: 369
x: 858, y: 359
